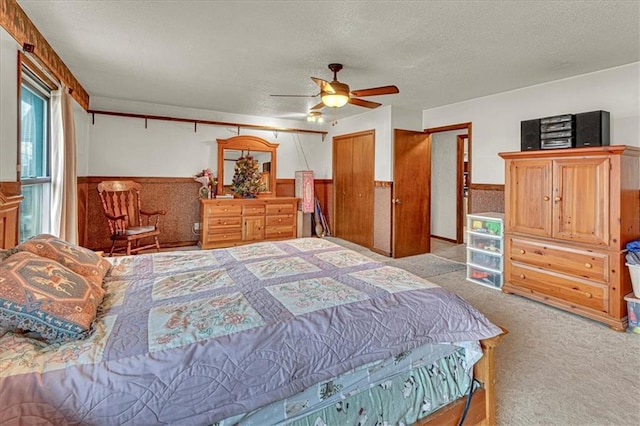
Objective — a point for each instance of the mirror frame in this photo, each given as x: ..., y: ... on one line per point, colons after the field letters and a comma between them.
x: 247, y: 143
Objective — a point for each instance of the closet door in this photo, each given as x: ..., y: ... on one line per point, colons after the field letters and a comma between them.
x: 353, y: 174
x: 362, y: 190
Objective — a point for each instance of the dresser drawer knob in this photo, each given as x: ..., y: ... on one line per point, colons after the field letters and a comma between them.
x: 546, y: 198
x: 588, y: 295
x: 558, y: 198
x: 522, y: 251
x: 522, y: 276
x: 279, y: 220
x: 226, y: 210
x: 588, y: 265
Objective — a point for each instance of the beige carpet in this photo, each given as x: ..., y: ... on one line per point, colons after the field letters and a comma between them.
x: 554, y: 368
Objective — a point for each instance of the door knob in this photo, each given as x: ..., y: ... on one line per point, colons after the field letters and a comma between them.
x: 396, y: 201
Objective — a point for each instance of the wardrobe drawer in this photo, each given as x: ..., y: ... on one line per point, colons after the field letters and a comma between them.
x: 280, y: 232
x: 253, y: 210
x: 574, y: 291
x: 281, y: 220
x: 579, y: 263
x: 274, y: 209
x: 225, y: 210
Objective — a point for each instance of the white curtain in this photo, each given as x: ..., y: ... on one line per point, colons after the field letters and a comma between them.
x: 64, y: 189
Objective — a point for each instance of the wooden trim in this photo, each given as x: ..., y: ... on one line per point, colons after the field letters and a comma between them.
x: 196, y: 121
x: 382, y: 184
x: 16, y: 22
x: 24, y: 60
x: 292, y: 181
x: 98, y: 179
x: 460, y: 187
x: 379, y: 251
x: 487, y: 187
x: 19, y: 120
x: 459, y: 126
x: 450, y: 240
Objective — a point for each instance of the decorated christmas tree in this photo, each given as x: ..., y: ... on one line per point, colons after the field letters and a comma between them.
x: 246, y: 177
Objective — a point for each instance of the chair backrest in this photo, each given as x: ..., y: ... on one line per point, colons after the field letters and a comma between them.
x: 121, y: 197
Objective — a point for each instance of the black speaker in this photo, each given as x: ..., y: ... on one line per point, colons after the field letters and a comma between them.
x: 592, y: 128
x: 530, y: 135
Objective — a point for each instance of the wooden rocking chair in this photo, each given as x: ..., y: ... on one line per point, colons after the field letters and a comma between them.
x: 121, y: 204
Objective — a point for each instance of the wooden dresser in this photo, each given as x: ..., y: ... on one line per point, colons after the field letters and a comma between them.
x: 568, y: 216
x: 236, y: 221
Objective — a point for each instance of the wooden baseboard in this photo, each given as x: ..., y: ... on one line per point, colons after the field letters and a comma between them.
x: 379, y: 251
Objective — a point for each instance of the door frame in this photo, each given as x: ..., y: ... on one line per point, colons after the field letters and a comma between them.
x: 459, y: 182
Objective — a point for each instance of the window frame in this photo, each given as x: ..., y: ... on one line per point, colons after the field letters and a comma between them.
x: 33, y: 78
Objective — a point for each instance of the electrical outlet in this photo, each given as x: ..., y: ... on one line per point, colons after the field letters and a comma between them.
x: 196, y: 226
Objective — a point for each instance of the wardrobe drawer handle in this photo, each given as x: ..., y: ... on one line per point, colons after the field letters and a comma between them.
x: 545, y: 198
x: 558, y: 198
x: 522, y: 251
x: 588, y: 265
x: 522, y: 276
x: 588, y: 295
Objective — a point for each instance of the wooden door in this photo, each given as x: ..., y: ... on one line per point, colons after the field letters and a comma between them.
x: 581, y: 200
x: 528, y: 198
x: 353, y: 174
x: 411, y: 198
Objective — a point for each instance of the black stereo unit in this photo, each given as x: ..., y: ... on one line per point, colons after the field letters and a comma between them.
x: 592, y: 128
x: 530, y: 135
x: 557, y: 132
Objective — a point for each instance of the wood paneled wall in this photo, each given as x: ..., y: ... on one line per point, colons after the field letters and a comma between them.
x: 486, y: 198
x: 178, y: 196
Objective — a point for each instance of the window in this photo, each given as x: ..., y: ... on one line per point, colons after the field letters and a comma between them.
x: 35, y: 174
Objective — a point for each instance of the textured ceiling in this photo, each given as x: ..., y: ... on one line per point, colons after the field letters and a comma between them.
x: 231, y: 55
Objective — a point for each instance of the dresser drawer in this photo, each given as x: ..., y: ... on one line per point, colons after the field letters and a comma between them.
x: 281, y: 220
x: 253, y: 210
x: 275, y: 209
x: 579, y: 263
x: 574, y: 291
x: 225, y: 222
x: 224, y: 236
x: 225, y: 210
x: 280, y: 232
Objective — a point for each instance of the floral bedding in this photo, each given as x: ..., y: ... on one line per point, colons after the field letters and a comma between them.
x: 197, y: 337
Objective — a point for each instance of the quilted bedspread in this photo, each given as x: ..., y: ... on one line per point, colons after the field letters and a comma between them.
x: 195, y: 337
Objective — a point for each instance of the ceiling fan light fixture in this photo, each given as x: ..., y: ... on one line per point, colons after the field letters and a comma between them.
x: 334, y: 100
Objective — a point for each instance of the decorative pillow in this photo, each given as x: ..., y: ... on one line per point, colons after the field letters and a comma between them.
x: 41, y: 296
x: 79, y: 259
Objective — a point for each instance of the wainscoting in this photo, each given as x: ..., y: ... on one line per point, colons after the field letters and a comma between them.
x: 178, y: 196
x: 486, y: 198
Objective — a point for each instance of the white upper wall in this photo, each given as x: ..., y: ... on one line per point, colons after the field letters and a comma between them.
x: 8, y: 106
x: 379, y: 120
x: 496, y: 119
x: 121, y: 146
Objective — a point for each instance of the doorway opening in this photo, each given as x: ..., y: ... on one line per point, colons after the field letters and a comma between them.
x: 451, y: 180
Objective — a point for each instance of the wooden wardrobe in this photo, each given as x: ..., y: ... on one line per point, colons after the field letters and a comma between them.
x: 568, y: 215
x: 353, y: 178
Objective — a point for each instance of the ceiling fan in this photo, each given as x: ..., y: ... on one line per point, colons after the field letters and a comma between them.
x: 335, y: 94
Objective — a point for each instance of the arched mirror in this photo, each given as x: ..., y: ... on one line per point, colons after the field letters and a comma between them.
x: 230, y: 150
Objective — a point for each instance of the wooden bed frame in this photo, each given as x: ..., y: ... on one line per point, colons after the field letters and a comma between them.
x: 482, y: 410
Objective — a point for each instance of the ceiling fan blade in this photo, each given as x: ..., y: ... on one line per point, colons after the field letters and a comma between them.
x: 316, y: 107
x: 363, y: 103
x: 296, y: 96
x: 375, y: 91
x: 325, y: 86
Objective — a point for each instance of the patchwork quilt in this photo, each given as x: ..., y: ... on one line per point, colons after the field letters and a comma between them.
x: 196, y: 337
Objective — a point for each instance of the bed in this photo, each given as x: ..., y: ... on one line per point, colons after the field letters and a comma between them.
x: 300, y: 332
